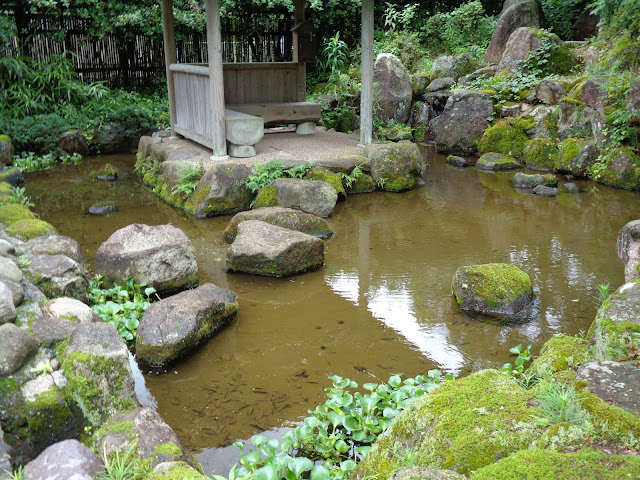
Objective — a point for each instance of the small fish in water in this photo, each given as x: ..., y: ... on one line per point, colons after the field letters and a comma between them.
x: 359, y: 368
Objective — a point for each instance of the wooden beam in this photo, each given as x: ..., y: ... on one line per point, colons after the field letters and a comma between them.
x: 366, y: 80
x: 170, y: 58
x: 216, y: 79
x: 301, y: 74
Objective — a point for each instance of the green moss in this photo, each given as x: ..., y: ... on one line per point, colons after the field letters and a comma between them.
x: 614, y: 341
x: 10, y: 214
x: 6, y: 188
x: 506, y: 136
x: 547, y: 464
x: 560, y: 352
x: 495, y: 284
x: 462, y: 425
x: 267, y: 197
x: 612, y: 425
x: 28, y: 229
x: 179, y: 471
x: 496, y: 161
x: 9, y: 173
x: 5, y: 138
x: 399, y: 184
x: 540, y: 154
x: 363, y: 184
x: 326, y: 175
x: 122, y: 426
x: 170, y: 449
x: 86, y: 390
x: 619, y: 167
x: 395, y: 132
x: 420, y: 133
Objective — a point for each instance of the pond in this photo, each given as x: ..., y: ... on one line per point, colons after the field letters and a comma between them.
x: 382, y: 303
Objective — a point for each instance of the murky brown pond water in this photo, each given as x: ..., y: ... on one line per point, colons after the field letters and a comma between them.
x: 380, y: 305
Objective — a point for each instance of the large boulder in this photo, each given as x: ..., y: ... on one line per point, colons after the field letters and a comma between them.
x: 174, y: 326
x: 550, y: 92
x: 395, y: 167
x: 323, y: 174
x: 113, y: 138
x: 143, y: 431
x: 628, y: 247
x: 575, y: 156
x: 615, y: 382
x: 264, y: 249
x: 616, y: 323
x: 161, y: 255
x: 74, y: 141
x: 282, y: 217
x: 526, y: 13
x: 57, y: 276
x: 311, y: 196
x: 66, y: 460
x: 395, y: 89
x: 520, y: 44
x: 16, y: 346
x: 221, y: 191
x: 540, y: 154
x: 96, y: 365
x: 621, y: 169
x: 496, y: 289
x: 463, y: 121
x: 453, y: 66
x: 461, y: 425
x: 55, y: 245
x: 546, y: 122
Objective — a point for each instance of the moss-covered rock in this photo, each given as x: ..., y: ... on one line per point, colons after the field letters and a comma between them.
x: 538, y: 464
x: 267, y: 197
x: 619, y: 167
x: 28, y: 229
x: 12, y: 175
x: 282, y: 217
x: 617, y: 325
x: 175, y: 471
x: 10, y: 214
x: 463, y: 425
x: 497, y: 161
x: 540, y: 154
x: 560, y: 352
x: 575, y: 156
x: 6, y: 150
x: 96, y: 365
x: 395, y: 167
x: 362, y: 184
x: 492, y: 289
x: 395, y: 132
x: 6, y: 188
x: 326, y: 175
x: 507, y: 136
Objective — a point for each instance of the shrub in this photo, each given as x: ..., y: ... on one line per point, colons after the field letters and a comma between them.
x: 562, y: 14
x: 38, y: 134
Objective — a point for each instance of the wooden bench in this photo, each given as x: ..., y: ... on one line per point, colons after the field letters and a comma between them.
x: 283, y: 112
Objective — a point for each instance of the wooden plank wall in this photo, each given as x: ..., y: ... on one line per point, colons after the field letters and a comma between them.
x: 260, y: 83
x: 193, y: 109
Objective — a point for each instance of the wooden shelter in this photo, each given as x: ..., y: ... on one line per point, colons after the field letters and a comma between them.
x: 204, y: 98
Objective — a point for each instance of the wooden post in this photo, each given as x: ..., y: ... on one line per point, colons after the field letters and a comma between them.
x: 169, y: 36
x: 366, y: 80
x: 301, y: 74
x: 216, y: 82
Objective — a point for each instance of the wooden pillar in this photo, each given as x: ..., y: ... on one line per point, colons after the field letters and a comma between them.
x: 168, y: 34
x: 366, y: 94
x: 301, y: 72
x: 216, y: 82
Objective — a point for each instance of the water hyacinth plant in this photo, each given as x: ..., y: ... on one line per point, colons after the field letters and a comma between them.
x: 337, y: 434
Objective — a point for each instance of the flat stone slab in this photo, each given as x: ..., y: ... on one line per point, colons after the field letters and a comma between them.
x: 172, y: 327
x: 282, y: 217
x: 264, y: 249
x: 496, y: 162
x: 614, y: 382
x: 161, y: 255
